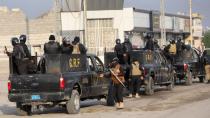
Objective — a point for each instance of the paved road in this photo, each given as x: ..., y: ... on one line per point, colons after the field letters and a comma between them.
x: 183, y: 102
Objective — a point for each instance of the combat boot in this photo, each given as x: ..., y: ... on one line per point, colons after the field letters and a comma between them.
x: 121, y: 106
x: 117, y: 105
x: 130, y: 95
x: 137, y: 96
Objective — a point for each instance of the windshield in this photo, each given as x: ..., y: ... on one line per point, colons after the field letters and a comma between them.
x: 144, y: 57
x: 185, y: 55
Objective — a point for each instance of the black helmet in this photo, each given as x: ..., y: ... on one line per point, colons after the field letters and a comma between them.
x: 155, y: 41
x: 67, y: 40
x: 173, y: 42
x: 126, y: 38
x: 148, y: 35
x: 179, y: 39
x: 118, y: 41
x: 22, y: 38
x: 14, y: 41
x: 52, y: 38
x: 115, y: 60
x: 76, y: 40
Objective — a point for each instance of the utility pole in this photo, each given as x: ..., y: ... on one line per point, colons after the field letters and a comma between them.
x: 28, y: 35
x: 162, y: 20
x: 85, y: 21
x: 58, y: 20
x: 191, y: 24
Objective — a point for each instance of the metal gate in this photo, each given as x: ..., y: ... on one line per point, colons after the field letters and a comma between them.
x: 100, y: 36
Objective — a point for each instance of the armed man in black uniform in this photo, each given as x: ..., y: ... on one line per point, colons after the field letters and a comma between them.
x: 77, y: 47
x: 156, y: 45
x: 180, y: 46
x: 17, y: 56
x: 52, y: 47
x: 65, y: 47
x: 119, y: 50
x: 28, y: 61
x: 23, y: 39
x: 150, y: 42
x: 127, y: 47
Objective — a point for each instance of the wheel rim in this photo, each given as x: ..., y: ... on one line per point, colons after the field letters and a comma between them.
x: 172, y: 82
x: 77, y: 102
x: 152, y: 84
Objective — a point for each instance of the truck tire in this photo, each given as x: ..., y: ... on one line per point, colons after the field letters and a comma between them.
x: 73, y: 105
x: 171, y: 85
x: 202, y: 79
x: 110, y: 98
x: 23, y: 110
x: 188, y: 78
x: 149, y: 90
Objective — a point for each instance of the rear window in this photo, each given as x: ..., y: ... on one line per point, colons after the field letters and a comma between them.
x: 185, y: 55
x: 65, y: 63
x: 143, y: 57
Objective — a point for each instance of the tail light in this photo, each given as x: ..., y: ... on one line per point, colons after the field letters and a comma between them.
x: 145, y: 71
x: 185, y: 67
x: 62, y: 83
x: 9, y: 85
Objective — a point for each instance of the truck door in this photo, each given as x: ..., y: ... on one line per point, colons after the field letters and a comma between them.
x: 157, y: 68
x: 165, y: 74
x: 96, y: 68
x: 94, y: 79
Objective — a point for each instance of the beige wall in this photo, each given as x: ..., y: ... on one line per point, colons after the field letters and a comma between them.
x: 13, y: 23
x: 41, y: 28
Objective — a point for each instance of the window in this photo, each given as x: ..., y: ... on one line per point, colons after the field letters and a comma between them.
x: 195, y: 55
x: 99, y: 64
x: 90, y: 64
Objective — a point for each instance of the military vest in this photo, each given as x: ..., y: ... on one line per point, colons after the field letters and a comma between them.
x: 118, y: 72
x: 135, y: 69
x: 172, y: 49
x: 76, y: 49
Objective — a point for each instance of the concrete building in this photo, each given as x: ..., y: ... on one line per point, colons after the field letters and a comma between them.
x: 197, y: 31
x: 14, y: 22
x: 104, y: 26
x: 177, y: 25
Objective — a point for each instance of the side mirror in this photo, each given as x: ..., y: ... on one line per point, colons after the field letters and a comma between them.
x: 100, y: 70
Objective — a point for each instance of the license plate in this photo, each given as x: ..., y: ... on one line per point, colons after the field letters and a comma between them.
x: 35, y: 97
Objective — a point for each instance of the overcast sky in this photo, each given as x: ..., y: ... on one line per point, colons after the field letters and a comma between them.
x: 34, y: 8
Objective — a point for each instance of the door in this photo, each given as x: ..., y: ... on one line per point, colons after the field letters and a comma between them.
x: 157, y: 65
x: 96, y: 81
x: 101, y: 35
x: 165, y: 69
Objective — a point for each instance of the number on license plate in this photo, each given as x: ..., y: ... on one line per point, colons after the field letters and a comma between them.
x: 35, y: 97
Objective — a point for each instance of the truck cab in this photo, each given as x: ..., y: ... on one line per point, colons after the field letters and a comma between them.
x: 62, y: 80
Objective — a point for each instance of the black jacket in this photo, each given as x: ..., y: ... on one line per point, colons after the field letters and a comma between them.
x: 52, y: 48
x: 119, y: 49
x: 127, y: 46
x: 25, y: 48
x: 65, y: 49
x: 18, y: 52
x: 149, y: 45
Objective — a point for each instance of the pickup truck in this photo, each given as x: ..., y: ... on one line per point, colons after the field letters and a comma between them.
x: 65, y: 81
x: 189, y: 65
x: 157, y: 70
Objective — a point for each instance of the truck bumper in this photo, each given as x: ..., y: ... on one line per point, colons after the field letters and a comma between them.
x: 44, y: 97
